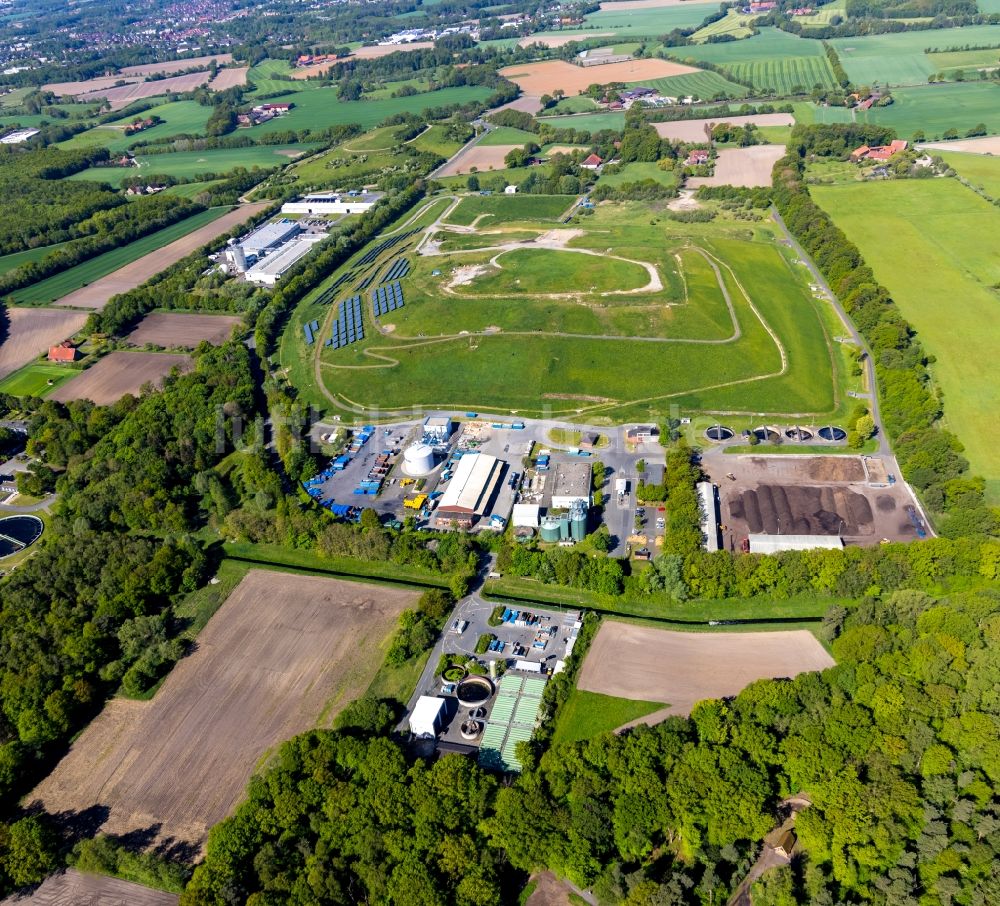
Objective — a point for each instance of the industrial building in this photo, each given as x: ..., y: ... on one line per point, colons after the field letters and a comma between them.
x: 471, y: 488
x: 418, y: 460
x: 526, y: 515
x: 19, y: 136
x: 566, y: 527
x: 323, y: 203
x: 437, y: 429
x: 642, y: 433
x: 571, y: 483
x: 427, y: 716
x: 268, y: 238
x: 773, y: 544
x: 270, y: 269
x: 709, y: 515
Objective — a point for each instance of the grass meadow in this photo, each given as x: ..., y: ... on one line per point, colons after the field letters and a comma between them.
x: 981, y: 170
x: 636, y: 173
x: 507, y: 135
x: 179, y: 118
x: 734, y: 24
x: 33, y: 380
x: 769, y: 44
x: 943, y: 285
x: 648, y: 22
x: 704, y: 85
x: 497, y: 209
x: 9, y: 262
x: 589, y: 714
x: 59, y: 285
x: 934, y: 109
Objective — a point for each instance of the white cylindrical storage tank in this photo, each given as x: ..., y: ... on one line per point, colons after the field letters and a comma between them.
x: 418, y: 459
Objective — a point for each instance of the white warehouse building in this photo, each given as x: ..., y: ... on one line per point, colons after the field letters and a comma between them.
x: 332, y: 203
x: 268, y: 271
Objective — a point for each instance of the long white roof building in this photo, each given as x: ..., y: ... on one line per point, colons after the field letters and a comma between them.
x: 471, y: 487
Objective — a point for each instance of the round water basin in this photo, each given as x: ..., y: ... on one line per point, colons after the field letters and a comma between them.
x: 719, y: 432
x: 798, y: 434
x: 767, y: 435
x: 19, y: 532
x: 832, y: 433
x: 474, y: 690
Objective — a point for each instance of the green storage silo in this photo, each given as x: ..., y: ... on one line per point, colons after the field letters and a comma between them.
x: 578, y: 521
x: 564, y: 527
x: 550, y: 529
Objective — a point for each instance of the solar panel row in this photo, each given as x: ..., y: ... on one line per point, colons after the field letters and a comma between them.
x: 387, y: 298
x: 348, y: 327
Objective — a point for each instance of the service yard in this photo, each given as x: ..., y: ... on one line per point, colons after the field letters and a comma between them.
x: 31, y: 331
x: 682, y: 668
x: 810, y: 495
x: 748, y: 167
x: 169, y: 329
x: 283, y: 654
x: 545, y: 77
x: 119, y: 373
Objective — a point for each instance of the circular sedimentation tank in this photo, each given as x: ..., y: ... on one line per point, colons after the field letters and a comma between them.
x: 798, y: 434
x: 474, y: 690
x: 831, y: 432
x: 19, y: 532
x: 719, y: 432
x: 766, y: 435
x: 471, y: 729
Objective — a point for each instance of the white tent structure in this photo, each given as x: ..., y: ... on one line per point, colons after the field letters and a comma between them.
x: 425, y: 720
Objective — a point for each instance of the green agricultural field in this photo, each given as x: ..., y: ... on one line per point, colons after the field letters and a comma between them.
x: 723, y: 320
x: 578, y: 104
x: 900, y: 58
x: 703, y: 85
x: 915, y: 235
x: 948, y: 61
x: 506, y: 135
x: 824, y: 14
x: 733, y: 24
x: 981, y: 170
x: 934, y: 109
x: 33, y: 380
x: 192, y: 164
x: 808, y: 113
x: 436, y: 140
x: 266, y: 79
x: 589, y: 714
x: 179, y: 118
x: 770, y: 44
x: 589, y: 122
x: 387, y: 90
x: 318, y: 108
x: 786, y: 75
x: 638, y: 172
x: 190, y: 189
x: 15, y: 96
x: 638, y: 23
x: 506, y: 208
x: 59, y: 285
x: 9, y: 262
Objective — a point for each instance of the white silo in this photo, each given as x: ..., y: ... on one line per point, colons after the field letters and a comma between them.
x: 418, y: 459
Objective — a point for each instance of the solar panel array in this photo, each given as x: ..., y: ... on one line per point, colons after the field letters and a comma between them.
x: 309, y: 330
x: 397, y: 270
x: 386, y: 299
x: 373, y: 253
x: 348, y: 327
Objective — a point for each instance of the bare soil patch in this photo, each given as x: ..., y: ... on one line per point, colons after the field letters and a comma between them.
x: 564, y: 149
x: 682, y: 668
x: 170, y: 329
x: 482, y: 157
x: 32, y: 331
x: 302, y: 73
x: 229, y: 78
x: 120, y: 97
x: 119, y: 373
x: 168, y: 66
x: 74, y: 88
x: 561, y: 40
x: 383, y: 50
x: 699, y: 130
x: 549, y: 891
x: 526, y: 103
x: 283, y: 653
x: 989, y: 144
x: 97, y: 294
x: 73, y: 888
x: 742, y: 167
x: 545, y: 77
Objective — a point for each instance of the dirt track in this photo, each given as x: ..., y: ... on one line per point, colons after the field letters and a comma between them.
x: 32, y: 331
x: 283, y: 653
x: 169, y: 329
x: 545, y: 77
x: 682, y: 668
x: 72, y: 888
x: 748, y: 167
x: 119, y: 373
x: 98, y: 293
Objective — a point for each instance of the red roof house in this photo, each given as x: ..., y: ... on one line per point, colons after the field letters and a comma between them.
x: 591, y: 163
x: 879, y: 152
x: 697, y: 157
x: 64, y: 352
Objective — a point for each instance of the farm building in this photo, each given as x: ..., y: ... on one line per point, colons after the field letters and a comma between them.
x: 471, y: 488
x: 332, y: 203
x: 773, y: 544
x: 642, y: 433
x: 879, y: 152
x: 571, y: 483
x: 591, y: 162
x: 526, y: 515
x: 437, y: 429
x: 268, y: 271
x: 426, y: 718
x: 269, y: 237
x: 709, y: 515
x: 697, y: 157
x: 18, y: 136
x: 64, y: 352
x: 510, y: 190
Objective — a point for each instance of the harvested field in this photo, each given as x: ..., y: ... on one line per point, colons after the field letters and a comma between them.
x: 810, y: 495
x: 32, y: 331
x: 300, y: 73
x: 564, y: 149
x: 742, y: 167
x: 284, y: 653
x: 123, y: 95
x: 526, y: 103
x: 375, y: 51
x: 169, y: 329
x: 229, y: 78
x: 682, y: 668
x: 544, y: 78
x: 97, y: 294
x: 697, y: 130
x: 562, y: 40
x: 72, y: 89
x: 482, y: 157
x: 989, y: 144
x: 119, y: 373
x: 169, y: 66
x: 73, y: 888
